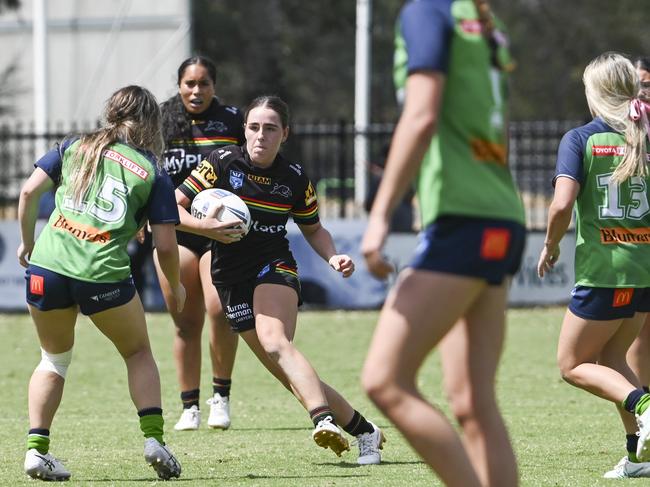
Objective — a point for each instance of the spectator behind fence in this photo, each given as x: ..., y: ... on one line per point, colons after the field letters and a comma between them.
x: 452, y: 61
x: 109, y: 182
x: 195, y: 123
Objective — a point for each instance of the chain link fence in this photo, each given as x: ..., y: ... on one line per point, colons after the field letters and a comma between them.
x: 326, y: 150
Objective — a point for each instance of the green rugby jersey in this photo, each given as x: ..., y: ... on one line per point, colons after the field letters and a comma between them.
x: 89, y: 242
x: 612, y: 219
x: 464, y: 171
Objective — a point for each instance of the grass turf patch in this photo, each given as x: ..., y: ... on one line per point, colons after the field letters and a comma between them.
x: 562, y: 436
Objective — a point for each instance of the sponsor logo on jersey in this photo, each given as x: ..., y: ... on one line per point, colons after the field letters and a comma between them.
x: 178, y: 159
x: 609, y: 236
x: 236, y: 179
x: 607, y: 150
x: 108, y: 296
x: 495, y: 243
x: 310, y: 195
x: 259, y: 179
x: 36, y: 285
x: 296, y: 168
x: 174, y: 159
x: 126, y: 163
x: 81, y: 231
x: 205, y: 174
x: 487, y: 151
x: 282, y: 190
x: 215, y: 126
x: 258, y: 227
x: 622, y: 297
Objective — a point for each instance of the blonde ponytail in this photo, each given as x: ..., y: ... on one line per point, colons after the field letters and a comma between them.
x: 611, y: 87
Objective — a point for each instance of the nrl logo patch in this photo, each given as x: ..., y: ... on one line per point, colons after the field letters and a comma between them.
x: 236, y: 179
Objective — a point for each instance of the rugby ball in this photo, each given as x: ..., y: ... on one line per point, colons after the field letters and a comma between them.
x: 222, y: 205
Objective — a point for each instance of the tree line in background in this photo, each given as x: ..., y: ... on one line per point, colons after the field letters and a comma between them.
x: 304, y: 51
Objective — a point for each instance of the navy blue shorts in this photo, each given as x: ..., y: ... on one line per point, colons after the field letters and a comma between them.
x: 606, y: 303
x: 475, y: 247
x: 237, y: 299
x: 47, y: 290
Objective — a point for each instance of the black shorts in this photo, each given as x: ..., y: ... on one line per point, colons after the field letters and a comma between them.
x: 488, y: 249
x: 48, y: 290
x: 196, y: 243
x: 237, y: 299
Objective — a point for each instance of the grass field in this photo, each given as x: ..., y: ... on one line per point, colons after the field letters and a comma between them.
x: 562, y: 436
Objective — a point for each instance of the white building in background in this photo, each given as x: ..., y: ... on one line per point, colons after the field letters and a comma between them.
x: 93, y: 48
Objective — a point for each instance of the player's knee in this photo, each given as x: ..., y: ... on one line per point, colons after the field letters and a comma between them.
x: 55, y: 362
x: 275, y: 345
x: 385, y: 392
x: 566, y: 367
x: 189, y: 330
x: 373, y: 383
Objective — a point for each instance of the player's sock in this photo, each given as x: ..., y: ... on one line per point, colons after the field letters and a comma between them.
x: 320, y: 413
x: 632, y: 400
x: 631, y: 443
x: 221, y: 386
x: 39, y: 438
x: 358, y: 425
x: 152, y: 423
x: 642, y: 404
x: 190, y: 398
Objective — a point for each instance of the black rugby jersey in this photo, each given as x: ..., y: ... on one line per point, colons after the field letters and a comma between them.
x: 271, y: 194
x: 218, y: 126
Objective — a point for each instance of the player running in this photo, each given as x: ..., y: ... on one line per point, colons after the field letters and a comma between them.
x: 602, y: 171
x: 257, y: 277
x: 451, y: 63
x: 107, y: 184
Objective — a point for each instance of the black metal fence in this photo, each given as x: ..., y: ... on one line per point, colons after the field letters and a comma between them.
x: 326, y: 150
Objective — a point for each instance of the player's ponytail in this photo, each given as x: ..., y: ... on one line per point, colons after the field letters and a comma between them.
x: 132, y: 116
x: 486, y: 18
x: 612, y: 90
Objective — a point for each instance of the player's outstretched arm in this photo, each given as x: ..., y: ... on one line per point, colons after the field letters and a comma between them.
x: 321, y: 241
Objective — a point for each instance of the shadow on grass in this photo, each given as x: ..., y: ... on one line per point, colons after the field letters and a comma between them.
x: 356, y: 465
x: 252, y: 476
x: 289, y: 428
x: 149, y: 480
x: 279, y: 428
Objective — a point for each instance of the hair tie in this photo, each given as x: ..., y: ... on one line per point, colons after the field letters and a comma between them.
x: 639, y: 111
x: 636, y: 109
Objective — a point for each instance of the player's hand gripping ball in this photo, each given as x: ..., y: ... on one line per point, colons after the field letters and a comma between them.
x: 222, y: 205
